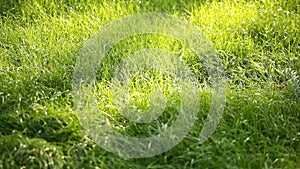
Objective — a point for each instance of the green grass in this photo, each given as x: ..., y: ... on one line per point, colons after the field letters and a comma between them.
x: 257, y: 41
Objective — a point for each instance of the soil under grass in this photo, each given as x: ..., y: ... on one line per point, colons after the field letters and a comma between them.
x: 257, y: 41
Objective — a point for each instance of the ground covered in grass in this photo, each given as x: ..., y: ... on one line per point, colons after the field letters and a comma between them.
x: 257, y: 41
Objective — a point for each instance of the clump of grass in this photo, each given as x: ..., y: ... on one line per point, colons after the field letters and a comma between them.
x: 19, y: 151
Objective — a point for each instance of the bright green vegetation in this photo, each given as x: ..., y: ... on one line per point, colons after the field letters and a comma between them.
x: 258, y: 42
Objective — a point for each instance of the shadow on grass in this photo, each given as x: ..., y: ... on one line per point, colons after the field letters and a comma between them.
x: 8, y: 7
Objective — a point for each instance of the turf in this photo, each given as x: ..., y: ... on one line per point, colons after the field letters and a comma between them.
x: 257, y: 41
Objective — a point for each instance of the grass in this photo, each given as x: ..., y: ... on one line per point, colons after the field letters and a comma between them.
x: 257, y: 41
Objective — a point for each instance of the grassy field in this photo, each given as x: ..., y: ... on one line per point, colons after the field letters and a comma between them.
x: 257, y: 41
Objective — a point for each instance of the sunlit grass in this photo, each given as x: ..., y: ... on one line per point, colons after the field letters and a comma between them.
x: 258, y: 42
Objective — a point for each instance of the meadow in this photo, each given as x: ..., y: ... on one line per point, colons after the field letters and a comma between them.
x: 258, y: 42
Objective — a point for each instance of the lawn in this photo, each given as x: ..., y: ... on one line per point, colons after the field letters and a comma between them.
x: 257, y: 41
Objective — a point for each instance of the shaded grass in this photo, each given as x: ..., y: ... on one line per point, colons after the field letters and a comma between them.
x: 258, y: 42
